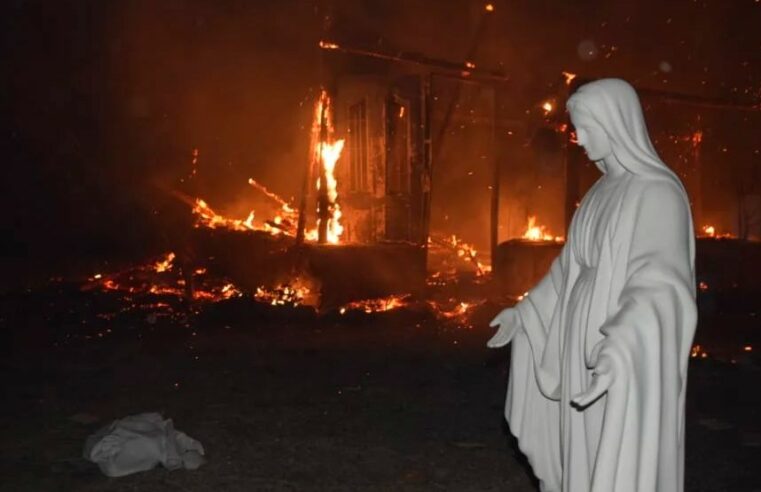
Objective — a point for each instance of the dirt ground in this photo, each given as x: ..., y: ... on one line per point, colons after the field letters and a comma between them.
x: 283, y: 400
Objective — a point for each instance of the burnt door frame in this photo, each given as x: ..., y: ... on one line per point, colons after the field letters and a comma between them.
x: 404, y: 199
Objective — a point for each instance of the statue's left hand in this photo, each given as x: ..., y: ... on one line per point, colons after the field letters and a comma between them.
x: 602, y: 378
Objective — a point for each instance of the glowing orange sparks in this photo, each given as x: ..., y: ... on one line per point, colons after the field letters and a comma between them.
x: 568, y: 76
x: 548, y: 107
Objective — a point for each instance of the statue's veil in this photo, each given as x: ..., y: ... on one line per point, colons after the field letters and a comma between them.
x: 615, y: 106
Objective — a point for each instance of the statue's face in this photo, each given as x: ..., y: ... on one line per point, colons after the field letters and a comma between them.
x: 590, y: 135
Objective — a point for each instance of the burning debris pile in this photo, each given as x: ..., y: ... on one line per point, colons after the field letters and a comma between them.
x: 325, y: 153
x: 162, y: 284
x: 451, y: 253
x: 161, y: 289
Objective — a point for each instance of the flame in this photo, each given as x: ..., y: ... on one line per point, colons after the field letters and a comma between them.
x: 538, y: 232
x: 489, y: 7
x: 327, y: 153
x: 548, y: 107
x: 207, y: 217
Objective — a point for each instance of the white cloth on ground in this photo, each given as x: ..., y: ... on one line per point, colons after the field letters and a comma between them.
x: 140, y: 442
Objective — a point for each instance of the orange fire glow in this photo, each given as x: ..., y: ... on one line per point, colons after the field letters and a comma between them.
x: 165, y: 264
x: 709, y: 231
x: 326, y: 152
x: 536, y: 232
x: 330, y: 155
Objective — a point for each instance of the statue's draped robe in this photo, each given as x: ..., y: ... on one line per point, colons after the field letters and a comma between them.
x: 622, y: 287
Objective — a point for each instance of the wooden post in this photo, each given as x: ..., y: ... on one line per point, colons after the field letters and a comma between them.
x: 496, y: 177
x: 427, y: 174
x: 323, y: 203
x: 300, y: 228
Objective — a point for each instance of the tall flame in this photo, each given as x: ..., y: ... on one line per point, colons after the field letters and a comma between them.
x: 327, y: 153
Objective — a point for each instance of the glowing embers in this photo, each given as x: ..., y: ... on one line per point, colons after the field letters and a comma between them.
x: 217, y: 293
x: 451, y: 309
x: 459, y: 250
x: 165, y: 264
x: 697, y: 351
x: 376, y: 305
x: 536, y: 232
x: 141, y: 285
x: 296, y: 293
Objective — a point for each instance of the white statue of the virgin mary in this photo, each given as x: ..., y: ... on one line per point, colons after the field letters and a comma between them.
x: 600, y: 345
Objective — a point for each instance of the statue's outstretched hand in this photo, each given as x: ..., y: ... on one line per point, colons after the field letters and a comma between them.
x: 509, y: 323
x: 602, y: 378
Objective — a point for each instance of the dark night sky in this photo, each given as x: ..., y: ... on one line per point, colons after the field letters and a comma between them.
x: 106, y: 100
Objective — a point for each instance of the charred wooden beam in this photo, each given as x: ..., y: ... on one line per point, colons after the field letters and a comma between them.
x: 466, y: 70
x: 323, y: 202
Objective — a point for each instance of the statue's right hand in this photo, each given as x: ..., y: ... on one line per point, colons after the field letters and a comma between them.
x: 509, y: 323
